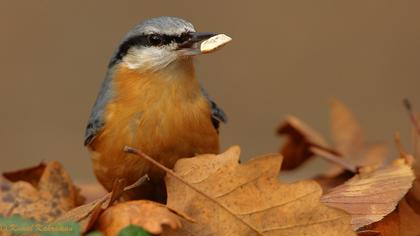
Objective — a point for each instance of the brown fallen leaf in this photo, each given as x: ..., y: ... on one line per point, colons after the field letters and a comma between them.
x: 84, y: 214
x: 372, y: 194
x: 87, y: 214
x: 345, y: 130
x: 349, y: 138
x: 151, y: 216
x: 300, y: 139
x: 350, y: 142
x: 331, y: 180
x: 413, y: 196
x: 227, y: 198
x: 404, y: 221
x: 41, y: 193
x: 337, y: 175
x: 31, y: 174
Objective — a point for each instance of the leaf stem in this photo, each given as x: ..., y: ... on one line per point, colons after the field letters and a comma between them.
x: 334, y: 158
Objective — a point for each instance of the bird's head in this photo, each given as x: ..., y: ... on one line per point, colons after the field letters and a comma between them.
x: 157, y: 42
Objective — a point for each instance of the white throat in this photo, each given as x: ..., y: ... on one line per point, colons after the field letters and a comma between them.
x: 150, y: 58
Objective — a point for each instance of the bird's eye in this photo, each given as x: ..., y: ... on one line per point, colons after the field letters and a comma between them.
x: 182, y: 38
x: 155, y: 39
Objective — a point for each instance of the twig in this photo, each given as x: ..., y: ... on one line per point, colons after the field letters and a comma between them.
x: 334, y: 158
x: 120, y: 187
x: 173, y: 174
x: 412, y: 116
x: 117, y: 190
x: 139, y: 182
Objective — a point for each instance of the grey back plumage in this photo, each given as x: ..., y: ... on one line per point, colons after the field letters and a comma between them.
x: 96, y: 119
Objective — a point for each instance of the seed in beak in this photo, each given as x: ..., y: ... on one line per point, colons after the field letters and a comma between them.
x: 214, y: 43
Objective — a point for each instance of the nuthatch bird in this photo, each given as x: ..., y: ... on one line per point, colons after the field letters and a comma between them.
x: 151, y: 100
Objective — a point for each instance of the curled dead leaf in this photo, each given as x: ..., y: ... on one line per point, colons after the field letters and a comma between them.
x: 404, y: 221
x: 346, y: 131
x: 151, y: 216
x: 350, y: 142
x: 349, y: 138
x: 373, y: 194
x: 87, y: 214
x: 248, y: 199
x: 301, y: 138
x: 41, y: 193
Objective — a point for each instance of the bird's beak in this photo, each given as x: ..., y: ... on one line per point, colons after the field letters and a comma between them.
x: 191, y: 47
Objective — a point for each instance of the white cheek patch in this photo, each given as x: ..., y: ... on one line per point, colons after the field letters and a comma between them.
x: 149, y: 58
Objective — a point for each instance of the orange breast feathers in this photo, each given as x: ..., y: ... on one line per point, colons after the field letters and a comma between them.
x: 166, y: 117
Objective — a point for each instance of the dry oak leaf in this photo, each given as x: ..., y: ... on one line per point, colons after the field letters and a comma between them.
x: 248, y: 199
x: 301, y: 138
x: 413, y: 196
x: 345, y: 130
x: 41, y: 193
x: 349, y: 141
x: 336, y: 175
x: 404, y: 221
x: 151, y: 216
x: 372, y: 194
x: 349, y: 138
x: 87, y: 215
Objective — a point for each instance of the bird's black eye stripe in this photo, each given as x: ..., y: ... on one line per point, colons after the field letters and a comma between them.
x: 156, y: 39
x: 183, y: 38
x: 168, y: 39
x: 149, y: 40
x: 126, y: 45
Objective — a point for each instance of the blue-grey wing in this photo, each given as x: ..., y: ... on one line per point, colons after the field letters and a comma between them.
x: 96, y: 119
x: 217, y: 113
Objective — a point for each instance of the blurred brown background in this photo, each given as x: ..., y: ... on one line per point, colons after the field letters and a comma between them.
x: 287, y: 57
